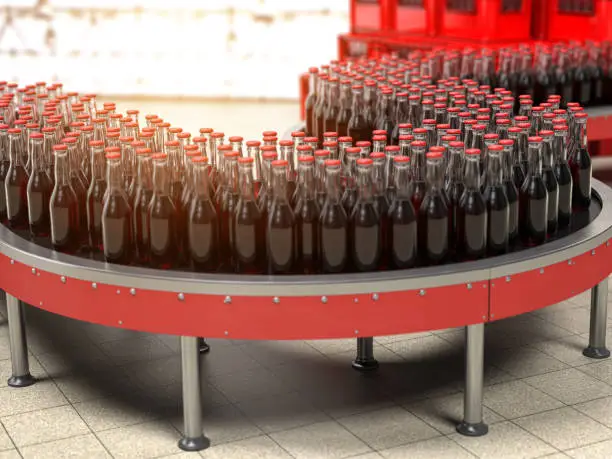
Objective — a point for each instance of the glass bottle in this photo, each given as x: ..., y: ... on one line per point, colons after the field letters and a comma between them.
x: 39, y: 190
x: 162, y: 217
x: 366, y: 247
x: 391, y: 151
x: 550, y: 180
x: 253, y: 151
x: 333, y: 223
x: 511, y: 188
x: 79, y: 185
x: 116, y: 215
x: 248, y: 230
x: 358, y: 126
x: 580, y: 164
x: 454, y: 187
x: 344, y: 112
x: 281, y: 229
x: 202, y: 221
x: 332, y: 106
x: 433, y: 214
x: 402, y: 227
x: 563, y: 175
x: 228, y: 202
x: 379, y: 192
x: 385, y: 119
x: 472, y: 211
x: 16, y: 183
x: 498, y: 208
x: 533, y: 205
x: 265, y: 197
x: 95, y: 194
x: 320, y: 105
x: 321, y: 156
x: 5, y: 163
x: 418, y: 163
x: 63, y: 206
x: 307, y: 212
x: 142, y: 198
x: 401, y: 117
x: 525, y: 82
x: 311, y: 100
x: 349, y: 197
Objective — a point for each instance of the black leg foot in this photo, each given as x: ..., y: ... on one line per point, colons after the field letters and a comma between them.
x: 596, y: 352
x: 203, y: 346
x: 473, y: 430
x: 365, y: 364
x: 21, y: 381
x: 194, y: 444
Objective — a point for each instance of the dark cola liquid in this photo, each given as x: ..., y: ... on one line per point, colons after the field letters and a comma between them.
x: 310, y: 119
x: 418, y: 193
x: 249, y: 239
x: 497, y: 221
x: 381, y: 205
x: 553, y: 199
x: 281, y: 240
x: 433, y: 230
x: 80, y: 189
x: 334, y: 240
x: 39, y: 195
x: 402, y: 235
x: 176, y: 193
x: 513, y: 211
x: 366, y: 248
x: 227, y: 211
x: 534, y: 211
x: 95, y: 204
x: 518, y: 175
x: 117, y: 230
x: 349, y: 199
x: 16, y: 198
x: 307, y: 229
x: 564, y: 181
x: 359, y: 133
x: 163, y: 244
x: 454, y: 192
x: 141, y: 225
x: 202, y: 235
x: 472, y: 225
x: 64, y: 216
x: 4, y: 166
x: 581, y: 168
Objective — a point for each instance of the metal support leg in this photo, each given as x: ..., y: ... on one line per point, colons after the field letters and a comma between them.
x: 472, y: 424
x: 365, y: 360
x: 21, y: 376
x: 203, y: 346
x: 193, y: 438
x: 599, y: 317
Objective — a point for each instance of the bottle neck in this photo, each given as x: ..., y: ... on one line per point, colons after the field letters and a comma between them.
x: 280, y: 184
x: 377, y: 177
x: 547, y: 153
x: 307, y: 181
x: 357, y: 102
x: 161, y: 182
x: 15, y: 149
x: 364, y: 180
x: 435, y: 175
x: 507, y: 160
x: 559, y: 147
x: 73, y: 158
x: 61, y: 169
x: 535, y: 160
x: 246, y: 183
x: 313, y: 85
x: 402, y: 180
x: 332, y: 183
x: 114, y: 175
x: 37, y: 156
x: 494, y: 169
x: 200, y: 180
x: 144, y: 172
x: 455, y: 168
x: 418, y: 164
x: 97, y: 163
x: 472, y: 173
x: 581, y: 131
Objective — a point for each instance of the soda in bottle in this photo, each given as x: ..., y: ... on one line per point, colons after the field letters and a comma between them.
x: 402, y: 228
x: 16, y: 183
x: 563, y: 175
x: 550, y: 180
x: 163, y: 244
x: 307, y: 212
x: 321, y: 156
x: 264, y: 200
x: 498, y: 208
x: 472, y: 211
x: 349, y: 197
x: 5, y: 163
x: 344, y: 112
x: 332, y: 106
x: 333, y: 223
x: 512, y: 192
x: 142, y: 198
x: 281, y: 231
x: 202, y: 221
x: 311, y: 99
x: 248, y: 230
x: 385, y: 119
x: 63, y: 206
x: 79, y: 185
x: 580, y: 164
x: 454, y: 187
x: 358, y: 127
x: 39, y: 190
x: 418, y: 163
x: 534, y: 198
x: 320, y: 105
x: 433, y: 214
x: 228, y: 201
x: 116, y: 214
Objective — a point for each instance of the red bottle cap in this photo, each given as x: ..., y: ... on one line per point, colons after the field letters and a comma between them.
x: 495, y: 147
x: 392, y: 148
x: 297, y: 134
x: 280, y: 163
x: 581, y: 116
x: 113, y: 155
x: 405, y: 126
x: 353, y: 150
x: 491, y: 136
x: 546, y: 133
x: 231, y: 154
x: 173, y: 143
x: 401, y: 159
x: 216, y: 135
x: 286, y: 143
x: 524, y: 125
x: 502, y: 121
x: 96, y: 143
x: 143, y: 151
x: 236, y: 138
x: 138, y: 143
x: 345, y: 139
x: 306, y: 159
x: 244, y: 160
x: 456, y: 144
x: 270, y: 155
x: 377, y: 155
x: 224, y: 148
x: 322, y: 153
x: 311, y: 139
x: 268, y: 148
x: 434, y: 155
x: 365, y: 162
x: 379, y: 138
x: 534, y: 139
x: 60, y: 147
x: 506, y: 142
x: 332, y: 162
x: 159, y: 156
x: 561, y: 127
x: 113, y: 134
x: 18, y: 131
x: 472, y: 151
x: 330, y: 143
x: 34, y: 135
x: 69, y: 140
x: 429, y: 121
x: 270, y: 133
x: 200, y: 159
x: 253, y: 143
x: 363, y: 143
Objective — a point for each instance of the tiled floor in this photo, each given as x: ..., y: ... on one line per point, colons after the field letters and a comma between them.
x: 115, y: 393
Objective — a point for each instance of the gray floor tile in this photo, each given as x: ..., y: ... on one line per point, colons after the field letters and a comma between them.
x: 43, y: 394
x: 444, y: 413
x: 224, y: 424
x: 5, y: 441
x: 10, y: 454
x: 85, y: 357
x: 515, y: 399
x: 146, y: 440
x: 333, y: 346
x: 109, y: 413
x: 525, y: 361
x: 388, y: 428
x: 82, y: 446
x: 227, y: 359
x: 282, y: 412
x: 261, y: 447
x: 6, y: 370
x: 438, y: 448
x: 555, y: 456
x: 44, y: 425
x: 82, y: 388
x: 270, y: 353
x: 5, y: 348
x: 131, y: 350
x: 582, y: 299
x: 372, y: 455
x: 599, y: 369
x: 421, y: 348
x: 506, y: 441
x: 520, y: 331
x: 597, y: 450
x: 567, y: 349
x: 575, y: 320
x: 565, y: 428
x: 332, y: 441
x: 249, y: 384
x: 600, y: 410
x: 570, y: 386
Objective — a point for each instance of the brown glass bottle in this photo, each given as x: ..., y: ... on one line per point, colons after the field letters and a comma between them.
x: 63, y: 206
x: 228, y: 201
x: 116, y: 215
x: 333, y: 223
x: 16, y: 183
x: 320, y: 105
x: 79, y: 185
x: 163, y: 243
x: 307, y: 212
x: 311, y: 100
x: 202, y: 221
x: 39, y: 190
x: 281, y: 228
x: 142, y: 199
x: 95, y: 195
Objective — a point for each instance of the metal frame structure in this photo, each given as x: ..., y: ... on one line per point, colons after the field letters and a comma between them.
x: 363, y: 305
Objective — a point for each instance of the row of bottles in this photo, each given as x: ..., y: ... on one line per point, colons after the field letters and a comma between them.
x: 155, y: 196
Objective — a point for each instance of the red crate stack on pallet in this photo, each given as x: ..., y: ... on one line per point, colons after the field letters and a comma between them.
x: 578, y: 20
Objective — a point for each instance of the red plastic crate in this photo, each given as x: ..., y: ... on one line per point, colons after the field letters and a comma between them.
x: 413, y: 16
x: 486, y: 20
x: 584, y: 20
x: 369, y: 16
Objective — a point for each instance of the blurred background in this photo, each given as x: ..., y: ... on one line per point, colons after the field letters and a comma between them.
x: 176, y: 58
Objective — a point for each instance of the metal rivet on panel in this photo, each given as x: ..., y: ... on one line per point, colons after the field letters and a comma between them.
x: 33, y: 270
x: 355, y: 300
x: 181, y: 297
x: 570, y: 262
x: 226, y: 333
x: 227, y: 300
x: 63, y: 279
x: 121, y: 322
x: 118, y: 292
x: 469, y: 286
x: 492, y: 316
x: 375, y: 297
x: 421, y: 292
x: 276, y: 300
x: 356, y: 332
x: 541, y: 270
x: 592, y: 252
x: 132, y: 291
x: 484, y: 317
x: 12, y: 262
x: 323, y: 299
x: 508, y: 278
x: 94, y: 285
x: 41, y: 303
